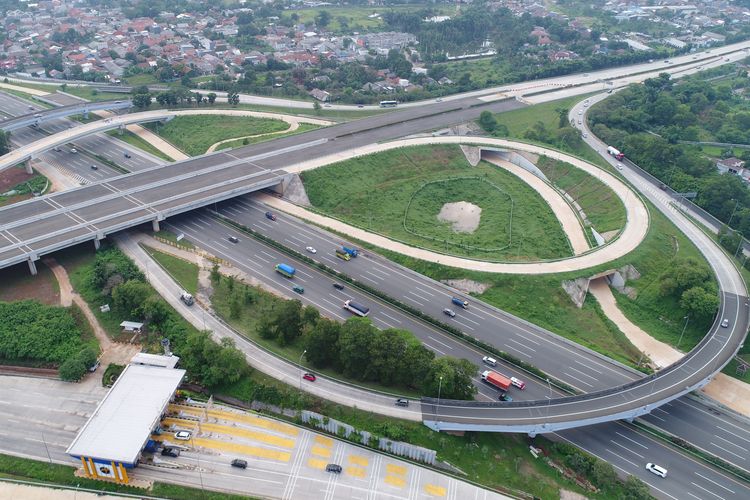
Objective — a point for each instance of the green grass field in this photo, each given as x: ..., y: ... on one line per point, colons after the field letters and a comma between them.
x: 373, y: 193
x: 195, y: 134
x: 139, y: 143
x: 602, y: 207
x: 347, y: 19
x: 184, y: 273
x: 304, y: 127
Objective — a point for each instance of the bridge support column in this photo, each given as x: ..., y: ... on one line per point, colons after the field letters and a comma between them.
x: 155, y: 225
x: 97, y: 244
x: 121, y: 129
x: 32, y: 266
x: 532, y: 434
x: 29, y: 170
x: 85, y: 114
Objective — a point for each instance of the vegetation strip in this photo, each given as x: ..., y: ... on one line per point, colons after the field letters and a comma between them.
x: 529, y: 368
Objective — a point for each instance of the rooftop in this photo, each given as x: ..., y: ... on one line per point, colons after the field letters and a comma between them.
x: 123, y: 421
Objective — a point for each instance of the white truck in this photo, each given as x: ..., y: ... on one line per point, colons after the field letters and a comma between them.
x: 187, y: 298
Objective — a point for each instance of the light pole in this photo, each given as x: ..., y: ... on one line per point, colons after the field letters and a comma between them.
x: 299, y: 362
x: 687, y: 318
x: 736, y: 204
x: 549, y: 398
x: 437, y: 409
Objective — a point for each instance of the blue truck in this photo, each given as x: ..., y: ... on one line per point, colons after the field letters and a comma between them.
x: 460, y: 302
x: 351, y: 251
x: 285, y: 270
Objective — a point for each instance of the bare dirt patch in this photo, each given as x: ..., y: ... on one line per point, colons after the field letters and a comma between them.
x: 19, y: 284
x: 467, y: 286
x: 465, y: 216
x: 12, y: 177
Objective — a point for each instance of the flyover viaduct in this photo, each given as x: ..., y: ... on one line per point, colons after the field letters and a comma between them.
x: 39, y: 117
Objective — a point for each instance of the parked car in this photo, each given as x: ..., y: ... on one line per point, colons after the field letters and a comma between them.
x: 233, y: 239
x: 338, y: 286
x: 724, y: 323
x: 311, y: 249
x: 298, y: 289
x: 335, y: 468
x: 240, y: 464
x: 449, y: 312
x: 182, y: 435
x: 656, y: 469
x: 93, y: 367
x: 402, y: 402
x: 168, y: 451
x: 310, y: 377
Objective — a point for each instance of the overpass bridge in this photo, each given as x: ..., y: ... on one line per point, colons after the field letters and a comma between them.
x: 39, y: 117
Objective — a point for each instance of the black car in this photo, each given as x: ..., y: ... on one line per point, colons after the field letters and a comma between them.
x: 338, y: 286
x: 336, y: 468
x: 94, y: 167
x: 233, y: 239
x: 240, y: 464
x: 168, y: 451
x: 402, y: 402
x: 127, y: 155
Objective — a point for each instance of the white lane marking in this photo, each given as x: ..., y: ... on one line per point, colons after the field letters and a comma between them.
x: 433, y: 348
x: 622, y: 458
x: 584, y: 374
x: 441, y: 343
x: 707, y: 491
x: 588, y: 367
x: 380, y: 277
x: 261, y: 258
x: 727, y: 451
x: 372, y: 274
x: 464, y: 325
x: 733, y: 434
x: 221, y: 245
x: 627, y: 449
x: 631, y: 440
x: 513, y: 348
x: 369, y: 279
x: 524, y: 346
x: 268, y: 254
x: 253, y: 263
x: 384, y: 322
x: 391, y: 317
x: 415, y: 300
x: 714, y: 482
x: 579, y: 380
x: 733, y: 444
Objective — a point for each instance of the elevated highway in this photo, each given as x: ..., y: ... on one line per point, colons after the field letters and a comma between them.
x: 42, y: 116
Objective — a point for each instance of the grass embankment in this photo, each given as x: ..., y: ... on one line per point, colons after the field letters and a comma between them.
x: 23, y: 469
x: 303, y: 127
x: 603, y: 209
x: 183, y: 272
x: 139, y: 143
x: 374, y: 193
x: 195, y: 134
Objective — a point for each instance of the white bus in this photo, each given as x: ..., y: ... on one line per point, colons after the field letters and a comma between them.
x: 388, y: 104
x: 357, y: 309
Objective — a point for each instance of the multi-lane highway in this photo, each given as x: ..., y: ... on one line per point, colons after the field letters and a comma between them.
x: 40, y: 116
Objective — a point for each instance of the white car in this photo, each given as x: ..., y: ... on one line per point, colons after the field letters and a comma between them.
x: 182, y: 435
x: 518, y: 383
x: 311, y: 250
x: 724, y: 323
x: 619, y: 166
x: 580, y: 112
x: 656, y: 469
x: 585, y: 135
x: 489, y: 361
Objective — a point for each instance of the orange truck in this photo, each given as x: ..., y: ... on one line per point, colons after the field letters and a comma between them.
x: 493, y: 378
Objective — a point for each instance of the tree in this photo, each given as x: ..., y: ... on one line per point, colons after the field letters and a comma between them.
x: 354, y: 347
x: 701, y: 302
x: 212, y: 364
x: 142, y: 100
x: 451, y: 378
x: 321, y: 343
x: 130, y: 296
x: 487, y: 121
x: 317, y: 107
x: 211, y: 98
x: 323, y: 18
x: 635, y: 489
x: 562, y: 117
x: 288, y: 322
x: 72, y: 369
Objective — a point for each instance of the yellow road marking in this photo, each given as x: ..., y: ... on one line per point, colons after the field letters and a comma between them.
x: 320, y: 451
x: 281, y: 442
x: 356, y: 471
x: 395, y: 469
x: 395, y: 481
x: 322, y: 440
x: 316, y: 463
x: 245, y: 418
x: 192, y: 424
x: 357, y: 460
x: 434, y: 490
x: 255, y: 451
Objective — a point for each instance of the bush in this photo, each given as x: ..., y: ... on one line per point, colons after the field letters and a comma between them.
x: 72, y: 369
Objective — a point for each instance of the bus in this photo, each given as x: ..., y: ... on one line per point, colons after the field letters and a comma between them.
x: 388, y: 104
x: 357, y: 309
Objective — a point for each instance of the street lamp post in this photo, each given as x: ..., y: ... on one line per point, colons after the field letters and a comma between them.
x: 736, y: 204
x: 437, y: 408
x: 301, y: 371
x: 549, y: 398
x: 687, y: 318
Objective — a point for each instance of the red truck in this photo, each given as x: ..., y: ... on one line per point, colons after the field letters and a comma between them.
x: 493, y: 378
